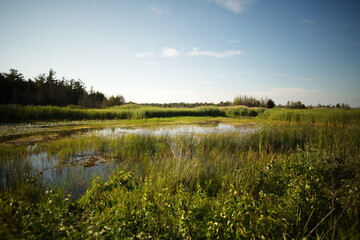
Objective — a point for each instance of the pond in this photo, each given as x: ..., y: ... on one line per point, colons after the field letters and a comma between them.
x: 80, y: 169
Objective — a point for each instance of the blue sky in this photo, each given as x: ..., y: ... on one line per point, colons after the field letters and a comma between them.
x: 190, y: 50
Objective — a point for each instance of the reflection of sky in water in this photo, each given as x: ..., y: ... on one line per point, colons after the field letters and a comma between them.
x: 40, y: 161
x: 178, y: 130
x: 73, y: 178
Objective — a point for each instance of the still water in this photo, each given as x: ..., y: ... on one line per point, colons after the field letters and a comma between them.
x: 177, y: 130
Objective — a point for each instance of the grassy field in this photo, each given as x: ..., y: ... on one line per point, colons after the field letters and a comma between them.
x: 296, y: 177
x: 17, y: 113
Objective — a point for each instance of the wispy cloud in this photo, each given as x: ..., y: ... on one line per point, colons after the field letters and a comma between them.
x: 196, y: 52
x: 308, y: 26
x: 158, y: 10
x: 235, y: 6
x: 307, y: 21
x: 144, y: 54
x: 173, y: 52
x: 170, y: 52
x: 357, y: 43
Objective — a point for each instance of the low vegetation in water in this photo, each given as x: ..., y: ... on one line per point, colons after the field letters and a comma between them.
x: 293, y: 178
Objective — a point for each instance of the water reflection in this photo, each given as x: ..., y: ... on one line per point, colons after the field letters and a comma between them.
x: 74, y: 177
x: 177, y: 130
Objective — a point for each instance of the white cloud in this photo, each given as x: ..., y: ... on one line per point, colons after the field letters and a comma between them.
x: 144, y: 54
x: 196, y: 52
x: 307, y: 21
x: 170, y: 52
x: 235, y: 6
x: 156, y: 10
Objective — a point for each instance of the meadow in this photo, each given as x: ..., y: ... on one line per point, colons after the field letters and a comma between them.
x: 296, y: 176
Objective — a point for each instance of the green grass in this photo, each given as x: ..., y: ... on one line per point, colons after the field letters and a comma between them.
x: 321, y: 116
x: 17, y: 113
x: 243, y: 111
x: 289, y: 180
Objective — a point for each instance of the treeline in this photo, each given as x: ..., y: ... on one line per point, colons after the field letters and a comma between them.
x: 47, y: 89
x: 269, y: 103
x: 295, y: 105
x: 300, y: 105
x: 338, y: 105
x: 253, y: 102
x: 186, y: 105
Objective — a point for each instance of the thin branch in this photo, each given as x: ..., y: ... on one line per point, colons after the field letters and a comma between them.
x: 320, y: 222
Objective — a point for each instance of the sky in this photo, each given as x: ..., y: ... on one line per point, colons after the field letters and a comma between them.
x: 190, y: 50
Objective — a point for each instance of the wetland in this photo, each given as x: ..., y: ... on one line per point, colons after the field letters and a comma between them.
x: 290, y: 173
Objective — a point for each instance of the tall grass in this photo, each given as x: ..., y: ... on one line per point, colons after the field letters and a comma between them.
x: 17, y: 113
x: 322, y: 116
x: 243, y: 111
